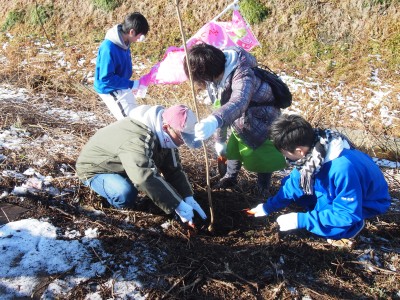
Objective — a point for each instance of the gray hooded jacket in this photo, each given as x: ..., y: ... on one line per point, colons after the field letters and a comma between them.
x: 246, y: 101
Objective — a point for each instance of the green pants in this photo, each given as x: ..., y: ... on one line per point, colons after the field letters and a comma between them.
x: 264, y: 159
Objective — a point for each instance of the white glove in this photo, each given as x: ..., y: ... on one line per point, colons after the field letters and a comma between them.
x: 185, y: 212
x: 193, y: 203
x: 205, y: 128
x: 258, y: 211
x: 220, y: 148
x: 135, y: 85
x: 287, y: 222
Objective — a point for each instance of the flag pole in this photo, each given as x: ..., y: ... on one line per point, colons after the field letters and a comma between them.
x: 211, y: 226
x: 229, y: 7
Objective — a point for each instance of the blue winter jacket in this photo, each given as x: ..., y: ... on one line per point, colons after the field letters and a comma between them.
x: 347, y: 190
x: 113, y: 66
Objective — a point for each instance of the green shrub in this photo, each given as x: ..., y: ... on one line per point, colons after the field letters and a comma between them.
x: 393, y: 45
x: 13, y: 17
x: 254, y: 11
x: 40, y: 14
x: 106, y: 5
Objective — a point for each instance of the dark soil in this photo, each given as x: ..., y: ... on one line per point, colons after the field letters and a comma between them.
x: 242, y: 258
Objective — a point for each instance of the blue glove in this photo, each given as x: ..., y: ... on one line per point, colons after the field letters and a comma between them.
x: 193, y: 203
x: 185, y: 212
x: 287, y: 222
x: 258, y: 211
x: 205, y: 128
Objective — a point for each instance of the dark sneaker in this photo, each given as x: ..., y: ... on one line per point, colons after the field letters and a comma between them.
x: 225, y: 183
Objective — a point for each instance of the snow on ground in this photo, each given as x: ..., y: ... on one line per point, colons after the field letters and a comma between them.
x: 21, y: 96
x: 352, y: 104
x: 33, y: 251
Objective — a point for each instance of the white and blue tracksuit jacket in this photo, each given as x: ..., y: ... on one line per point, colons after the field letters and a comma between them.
x: 113, y: 64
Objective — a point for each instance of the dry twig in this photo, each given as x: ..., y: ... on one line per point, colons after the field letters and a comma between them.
x: 176, y: 283
x: 228, y: 284
x: 192, y: 285
x: 211, y: 226
x: 367, y: 265
x: 230, y: 272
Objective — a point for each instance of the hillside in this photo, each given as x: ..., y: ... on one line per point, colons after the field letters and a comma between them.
x: 319, y: 38
x: 348, y: 45
x: 59, y: 240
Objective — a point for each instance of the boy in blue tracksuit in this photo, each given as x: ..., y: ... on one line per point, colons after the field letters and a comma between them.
x: 337, y: 184
x: 114, y: 65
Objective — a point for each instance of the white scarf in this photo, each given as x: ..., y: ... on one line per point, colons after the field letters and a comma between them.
x: 151, y: 116
x: 230, y: 64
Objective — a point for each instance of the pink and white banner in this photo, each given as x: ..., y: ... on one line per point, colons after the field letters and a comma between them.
x: 219, y: 34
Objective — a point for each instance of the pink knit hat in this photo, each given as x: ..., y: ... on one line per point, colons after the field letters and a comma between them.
x: 182, y: 119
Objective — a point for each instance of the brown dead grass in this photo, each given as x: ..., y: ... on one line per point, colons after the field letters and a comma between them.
x: 297, y: 35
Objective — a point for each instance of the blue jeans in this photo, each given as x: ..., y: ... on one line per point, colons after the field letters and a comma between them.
x: 117, y: 189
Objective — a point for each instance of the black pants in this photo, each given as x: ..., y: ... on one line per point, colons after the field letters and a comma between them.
x: 234, y: 166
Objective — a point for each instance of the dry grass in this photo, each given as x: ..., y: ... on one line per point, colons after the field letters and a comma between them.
x: 322, y: 38
x: 244, y: 259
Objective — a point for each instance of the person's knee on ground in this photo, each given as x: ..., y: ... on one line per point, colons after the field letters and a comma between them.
x: 124, y: 199
x: 116, y: 189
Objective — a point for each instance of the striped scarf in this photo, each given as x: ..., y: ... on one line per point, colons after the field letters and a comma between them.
x: 327, y: 146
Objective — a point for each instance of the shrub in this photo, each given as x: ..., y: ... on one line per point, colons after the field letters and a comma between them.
x: 254, y: 11
x: 13, y: 17
x: 106, y: 5
x: 40, y: 14
x: 393, y: 45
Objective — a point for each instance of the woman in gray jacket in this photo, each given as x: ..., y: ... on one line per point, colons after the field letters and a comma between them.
x: 242, y: 102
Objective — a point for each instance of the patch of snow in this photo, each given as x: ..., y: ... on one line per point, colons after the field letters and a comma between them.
x: 32, y: 253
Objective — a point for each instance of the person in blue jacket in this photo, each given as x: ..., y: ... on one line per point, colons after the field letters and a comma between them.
x: 338, y: 185
x: 114, y: 65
